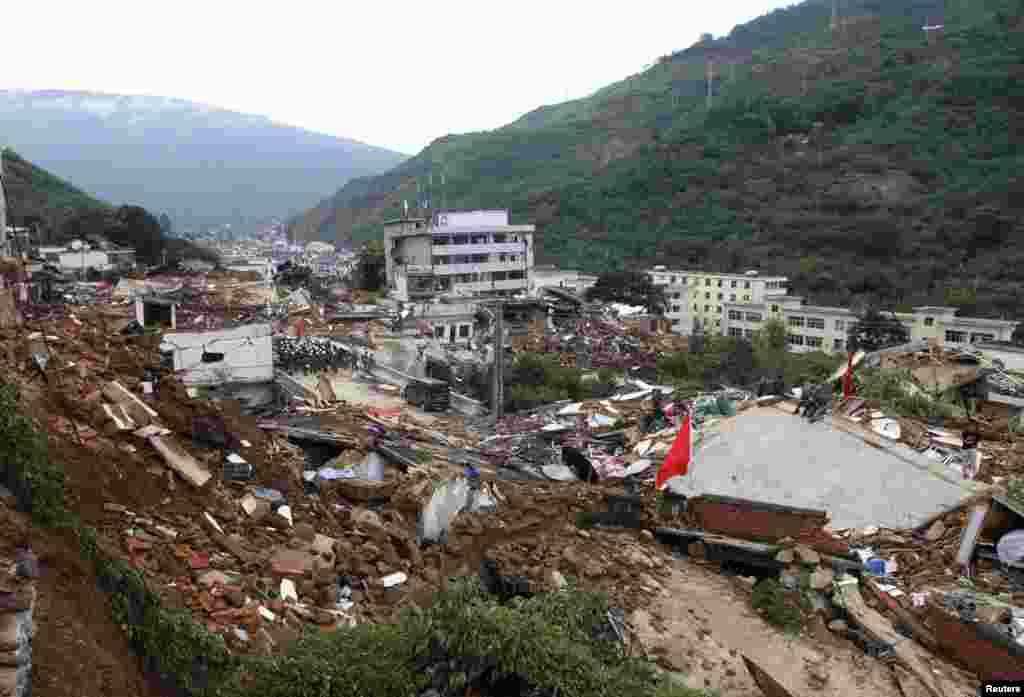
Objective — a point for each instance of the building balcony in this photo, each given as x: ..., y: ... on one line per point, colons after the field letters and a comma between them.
x: 484, y: 267
x: 487, y: 286
x: 487, y: 248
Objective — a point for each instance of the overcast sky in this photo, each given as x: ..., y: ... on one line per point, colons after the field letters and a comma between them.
x: 395, y: 74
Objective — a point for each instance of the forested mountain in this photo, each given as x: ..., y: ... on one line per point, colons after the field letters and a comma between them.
x: 872, y: 158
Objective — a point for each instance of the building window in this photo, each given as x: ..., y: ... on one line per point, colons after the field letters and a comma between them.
x: 956, y: 337
x: 815, y: 323
x: 736, y: 332
x: 696, y: 308
x: 720, y: 296
x: 775, y: 308
x: 673, y: 279
x: 753, y: 316
x: 677, y: 295
x: 499, y: 237
x: 982, y: 337
x: 796, y: 321
x: 732, y: 297
x: 718, y: 323
x: 707, y: 281
x: 515, y: 275
x: 929, y: 321
x: 438, y: 332
x: 840, y: 325
x: 707, y: 296
x: 748, y: 333
x: 675, y: 308
x: 735, y: 314
x: 837, y: 344
x: 732, y: 284
x: 794, y: 340
x: 746, y: 298
x: 464, y: 331
x: 719, y: 283
x: 683, y: 280
x: 707, y: 308
x: 718, y: 309
x: 814, y: 341
x: 746, y: 284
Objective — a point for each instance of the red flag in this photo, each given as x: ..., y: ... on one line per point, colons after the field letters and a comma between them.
x: 848, y: 382
x: 678, y: 461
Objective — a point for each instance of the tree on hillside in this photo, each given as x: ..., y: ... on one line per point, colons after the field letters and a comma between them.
x: 629, y: 288
x: 370, y: 271
x: 876, y: 330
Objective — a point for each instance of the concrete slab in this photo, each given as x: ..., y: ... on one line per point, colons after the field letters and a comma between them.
x: 767, y: 455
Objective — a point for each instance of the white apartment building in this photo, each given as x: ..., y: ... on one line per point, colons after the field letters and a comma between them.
x: 820, y: 328
x: 702, y: 296
x: 461, y: 252
x: 79, y: 256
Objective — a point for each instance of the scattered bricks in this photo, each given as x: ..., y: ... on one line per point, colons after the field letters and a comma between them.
x: 290, y: 562
x: 198, y: 561
x: 323, y: 547
x: 255, y: 508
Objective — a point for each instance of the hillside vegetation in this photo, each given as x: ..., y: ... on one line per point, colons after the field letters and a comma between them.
x: 35, y: 195
x: 866, y: 162
x: 58, y: 212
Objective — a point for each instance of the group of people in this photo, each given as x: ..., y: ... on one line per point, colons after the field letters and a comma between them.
x: 814, y: 401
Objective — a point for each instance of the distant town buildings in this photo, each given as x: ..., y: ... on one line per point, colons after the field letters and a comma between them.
x: 457, y: 252
x: 82, y: 255
x: 738, y: 304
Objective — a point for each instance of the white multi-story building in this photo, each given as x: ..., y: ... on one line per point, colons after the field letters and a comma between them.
x: 702, y: 296
x: 461, y: 252
x: 820, y: 328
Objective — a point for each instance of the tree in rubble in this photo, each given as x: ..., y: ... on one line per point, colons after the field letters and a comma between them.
x: 876, y: 330
x: 629, y: 288
x: 370, y: 272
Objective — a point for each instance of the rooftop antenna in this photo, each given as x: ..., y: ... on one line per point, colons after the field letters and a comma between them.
x: 835, y: 15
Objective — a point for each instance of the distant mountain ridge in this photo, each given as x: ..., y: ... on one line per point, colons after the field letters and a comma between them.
x: 200, y: 164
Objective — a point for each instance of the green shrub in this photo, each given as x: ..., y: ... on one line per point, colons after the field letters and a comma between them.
x: 26, y: 470
x: 780, y: 608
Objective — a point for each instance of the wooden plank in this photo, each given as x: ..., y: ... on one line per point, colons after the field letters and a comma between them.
x: 912, y: 656
x: 180, y: 461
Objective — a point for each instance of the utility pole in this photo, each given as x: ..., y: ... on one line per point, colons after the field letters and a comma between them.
x: 498, y: 367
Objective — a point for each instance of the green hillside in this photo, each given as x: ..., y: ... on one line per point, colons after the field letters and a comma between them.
x: 35, y: 194
x: 865, y: 161
x: 60, y: 212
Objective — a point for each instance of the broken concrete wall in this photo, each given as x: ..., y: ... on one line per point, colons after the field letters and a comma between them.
x: 243, y: 354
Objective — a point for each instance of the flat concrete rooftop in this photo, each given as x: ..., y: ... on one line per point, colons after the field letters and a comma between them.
x: 765, y: 454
